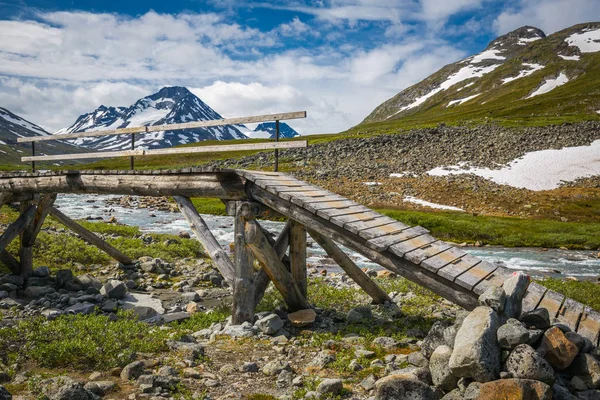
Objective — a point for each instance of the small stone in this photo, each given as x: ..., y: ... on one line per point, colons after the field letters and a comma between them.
x: 249, y: 367
x: 36, y: 292
x: 81, y: 308
x: 403, y: 386
x: 441, y: 374
x: 190, y: 296
x: 275, y: 367
x: 302, y: 318
x: 132, y: 371
x: 322, y: 359
x: 587, y: 368
x: 73, y: 391
x: 435, y: 338
x: 191, y: 373
x: 512, y: 334
x: 270, y: 324
x: 538, y: 318
x: 359, y: 314
x: 331, y: 387
x: 361, y: 353
x: 385, y: 342
x: 114, y: 289
x: 368, y: 383
x: 494, y: 298
x: 41, y: 272
x: 100, y: 388
x: 191, y: 308
x: 560, y: 351
x: 355, y: 366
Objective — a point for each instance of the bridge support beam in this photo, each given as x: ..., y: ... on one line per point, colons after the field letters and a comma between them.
x: 261, y: 279
x: 243, y: 284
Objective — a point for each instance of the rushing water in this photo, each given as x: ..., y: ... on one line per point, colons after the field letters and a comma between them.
x: 535, y: 261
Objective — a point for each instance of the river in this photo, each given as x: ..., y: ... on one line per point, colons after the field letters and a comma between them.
x: 535, y: 261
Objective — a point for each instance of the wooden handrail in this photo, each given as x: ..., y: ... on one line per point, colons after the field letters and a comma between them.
x: 171, y: 127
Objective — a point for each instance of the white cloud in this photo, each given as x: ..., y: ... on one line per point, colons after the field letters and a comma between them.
x: 442, y: 9
x: 548, y: 15
x: 297, y: 28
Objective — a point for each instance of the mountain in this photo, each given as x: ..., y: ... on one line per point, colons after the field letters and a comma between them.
x: 522, y: 75
x: 13, y: 127
x: 170, y: 105
x: 267, y: 130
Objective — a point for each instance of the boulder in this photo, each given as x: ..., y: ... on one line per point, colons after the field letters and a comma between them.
x: 37, y: 292
x: 515, y: 288
x: 114, y: 289
x: 302, y: 318
x: 435, y: 338
x: 88, y: 281
x: 73, y: 391
x: 275, y: 367
x: 515, y: 389
x: 63, y: 277
x: 330, y: 387
x: 494, y: 297
x: 359, y: 314
x: 559, y: 350
x: 100, y: 387
x: 81, y: 308
x: 403, y: 387
x: 269, y: 324
x: 561, y: 393
x: 512, y: 334
x: 525, y: 363
x: 441, y: 374
x: 476, y: 352
x: 41, y: 272
x: 537, y: 319
x: 587, y: 368
x: 132, y: 371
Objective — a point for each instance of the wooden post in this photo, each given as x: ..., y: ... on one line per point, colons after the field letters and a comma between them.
x: 243, y: 285
x: 281, y: 277
x: 298, y: 255
x: 12, y: 263
x: 262, y: 280
x: 276, y: 150
x: 17, y: 227
x: 90, y: 237
x: 353, y: 271
x: 26, y: 247
x: 4, y: 197
x: 43, y: 208
x: 206, y: 238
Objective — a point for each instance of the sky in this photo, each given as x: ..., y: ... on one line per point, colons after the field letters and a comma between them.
x: 336, y: 59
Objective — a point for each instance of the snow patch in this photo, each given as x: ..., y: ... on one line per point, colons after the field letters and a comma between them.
x: 403, y: 174
x: 587, y: 41
x: 538, y: 170
x: 524, y: 73
x: 411, y: 199
x: 569, y: 58
x: 21, y: 122
x: 460, y: 101
x: 526, y: 41
x: 372, y: 183
x: 2, y: 142
x: 550, y: 85
x: 491, y: 54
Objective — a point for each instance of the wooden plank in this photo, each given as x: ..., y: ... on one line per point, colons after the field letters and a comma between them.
x: 262, y: 280
x: 17, y: 227
x: 427, y: 251
x: 170, y: 151
x: 357, y: 227
x: 265, y: 183
x: 442, y: 259
x: 552, y: 301
x: 534, y: 294
x: 90, y: 237
x: 170, y: 127
x: 243, y: 284
x: 327, y: 205
x: 496, y: 278
x: 378, y: 295
x: 43, y: 208
x: 570, y: 313
x: 475, y: 275
x: 280, y: 276
x: 458, y: 267
x: 206, y: 238
x: 12, y: 263
x: 589, y: 325
x: 283, y: 189
x: 383, y: 230
x: 400, y: 249
x: 298, y: 255
x: 304, y: 200
x: 334, y: 212
x: 289, y: 196
x: 346, y: 221
x: 382, y: 243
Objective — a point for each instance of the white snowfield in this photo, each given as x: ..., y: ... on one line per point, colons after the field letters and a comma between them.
x: 526, y: 41
x: 460, y: 101
x: 587, y: 41
x: 550, y: 85
x: 526, y: 72
x: 569, y: 58
x: 538, y: 170
x: 411, y: 199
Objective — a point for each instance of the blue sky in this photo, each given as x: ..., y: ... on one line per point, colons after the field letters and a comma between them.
x: 337, y: 59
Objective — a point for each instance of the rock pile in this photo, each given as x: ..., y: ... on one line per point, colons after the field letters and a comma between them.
x: 498, y: 352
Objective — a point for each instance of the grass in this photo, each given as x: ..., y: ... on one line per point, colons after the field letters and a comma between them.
x: 585, y: 292
x: 502, y: 231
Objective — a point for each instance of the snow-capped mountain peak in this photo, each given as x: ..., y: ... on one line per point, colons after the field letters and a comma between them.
x: 267, y: 130
x: 170, y: 105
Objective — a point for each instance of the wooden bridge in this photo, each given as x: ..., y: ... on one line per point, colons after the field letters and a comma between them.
x: 330, y: 219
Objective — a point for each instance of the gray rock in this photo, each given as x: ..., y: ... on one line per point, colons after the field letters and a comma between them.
x: 88, y: 281
x: 385, y: 342
x: 355, y: 366
x: 189, y: 351
x: 537, y: 319
x: 190, y: 296
x: 100, y: 387
x: 589, y: 395
x: 270, y: 324
x: 494, y: 297
x: 476, y: 352
x: 368, y: 383
x: 3, y: 294
x: 63, y: 277
x: 73, y: 391
x: 41, y: 272
x: 515, y: 288
x: 132, y: 371
x: 249, y: 367
x: 576, y: 339
x: 52, y: 313
x: 4, y: 393
x: 275, y: 367
x: 417, y: 359
x: 114, y: 289
x: 453, y: 395
x: 525, y: 363
x: 512, y: 334
x: 403, y: 387
x: 37, y: 292
x: 435, y: 338
x: 587, y: 368
x: 322, y: 359
x: 81, y: 308
x: 561, y: 393
x: 441, y: 374
x: 243, y: 330
x: 359, y: 314
x: 331, y: 387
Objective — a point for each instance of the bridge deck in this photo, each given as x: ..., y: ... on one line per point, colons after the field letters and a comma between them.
x: 409, y: 251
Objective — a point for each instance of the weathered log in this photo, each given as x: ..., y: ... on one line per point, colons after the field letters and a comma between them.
x: 26, y: 246
x: 206, y: 238
x: 298, y: 255
x: 410, y: 271
x: 4, y: 197
x: 281, y: 277
x: 243, y: 285
x: 43, y: 208
x: 12, y: 263
x: 379, y: 296
x: 261, y: 279
x: 90, y: 237
x: 17, y: 227
x: 218, y: 184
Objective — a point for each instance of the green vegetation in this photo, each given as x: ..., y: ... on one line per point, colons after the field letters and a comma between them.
x: 502, y: 231
x: 209, y: 206
x: 83, y: 342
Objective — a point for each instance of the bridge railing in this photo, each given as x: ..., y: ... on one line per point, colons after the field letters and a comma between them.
x: 169, y: 127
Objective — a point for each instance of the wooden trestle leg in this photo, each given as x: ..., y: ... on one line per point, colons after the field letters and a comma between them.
x: 243, y: 284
